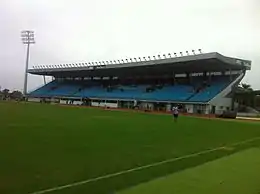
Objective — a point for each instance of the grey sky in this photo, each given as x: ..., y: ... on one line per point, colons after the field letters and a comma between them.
x: 86, y: 30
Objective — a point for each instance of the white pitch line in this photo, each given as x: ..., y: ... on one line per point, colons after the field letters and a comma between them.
x: 139, y: 168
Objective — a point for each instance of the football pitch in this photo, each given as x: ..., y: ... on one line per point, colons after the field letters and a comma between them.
x: 67, y: 150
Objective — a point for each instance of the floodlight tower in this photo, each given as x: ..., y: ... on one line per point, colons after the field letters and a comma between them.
x: 28, y: 39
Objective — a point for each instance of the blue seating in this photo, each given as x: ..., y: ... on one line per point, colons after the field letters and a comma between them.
x: 179, y: 93
x: 44, y: 90
x: 65, y: 90
x: 209, y: 92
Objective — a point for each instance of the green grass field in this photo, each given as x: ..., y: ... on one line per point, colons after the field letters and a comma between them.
x: 47, y: 146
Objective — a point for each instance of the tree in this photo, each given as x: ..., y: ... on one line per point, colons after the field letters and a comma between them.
x: 5, y: 93
x: 16, y: 95
x: 245, y: 95
x: 245, y: 87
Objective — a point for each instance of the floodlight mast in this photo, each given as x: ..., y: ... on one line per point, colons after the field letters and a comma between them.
x: 28, y: 39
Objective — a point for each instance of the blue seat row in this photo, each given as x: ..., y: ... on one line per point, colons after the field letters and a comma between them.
x: 166, y: 93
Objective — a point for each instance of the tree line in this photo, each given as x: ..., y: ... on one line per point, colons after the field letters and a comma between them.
x: 6, y: 94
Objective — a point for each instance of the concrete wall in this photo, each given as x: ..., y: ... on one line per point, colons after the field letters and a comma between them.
x: 63, y: 101
x: 221, y: 104
x: 189, y: 108
x: 147, y: 105
x: 105, y: 104
x: 77, y: 102
x: 34, y: 99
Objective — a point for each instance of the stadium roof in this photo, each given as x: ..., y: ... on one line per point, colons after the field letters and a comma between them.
x: 211, y: 62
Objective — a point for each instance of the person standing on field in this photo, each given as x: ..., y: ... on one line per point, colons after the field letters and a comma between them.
x: 175, y: 113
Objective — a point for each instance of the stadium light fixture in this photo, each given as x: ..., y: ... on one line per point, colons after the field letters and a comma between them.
x: 193, y: 51
x: 28, y: 39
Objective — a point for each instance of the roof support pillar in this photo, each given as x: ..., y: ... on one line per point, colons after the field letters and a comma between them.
x: 44, y: 80
x: 173, y: 78
x: 209, y: 77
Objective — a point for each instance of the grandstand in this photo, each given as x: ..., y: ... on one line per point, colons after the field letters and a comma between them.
x: 201, y: 83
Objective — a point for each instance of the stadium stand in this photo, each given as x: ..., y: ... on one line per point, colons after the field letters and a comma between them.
x: 200, y: 83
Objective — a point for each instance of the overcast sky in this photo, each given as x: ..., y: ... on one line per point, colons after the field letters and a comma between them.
x: 91, y: 30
